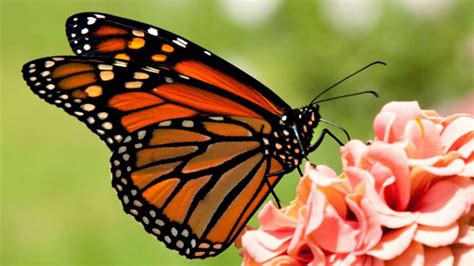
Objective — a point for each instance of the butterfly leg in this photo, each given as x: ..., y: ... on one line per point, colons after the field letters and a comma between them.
x: 299, y: 171
x: 273, y: 193
x: 321, y: 137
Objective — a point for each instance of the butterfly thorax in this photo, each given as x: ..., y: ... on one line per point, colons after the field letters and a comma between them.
x: 292, y: 136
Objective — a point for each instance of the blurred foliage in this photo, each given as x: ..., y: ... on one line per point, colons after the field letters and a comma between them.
x: 57, y: 206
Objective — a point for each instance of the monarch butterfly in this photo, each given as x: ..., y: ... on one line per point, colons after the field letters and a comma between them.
x: 197, y: 144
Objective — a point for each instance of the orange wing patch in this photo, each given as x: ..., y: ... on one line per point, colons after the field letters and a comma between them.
x: 218, y: 154
x: 134, y: 100
x: 111, y: 45
x: 226, y: 129
x: 213, y: 76
x: 201, y: 216
x: 77, y: 81
x: 258, y: 125
x: 170, y: 136
x: 261, y: 193
x: 178, y: 208
x: 230, y: 217
x: 143, y: 177
x: 151, y: 155
x: 106, y: 30
x: 158, y: 194
x: 202, y: 100
x: 156, y: 114
x: 71, y: 68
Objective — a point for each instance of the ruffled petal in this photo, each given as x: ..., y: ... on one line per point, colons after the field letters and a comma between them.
x: 438, y: 256
x: 454, y: 167
x: 382, y: 126
x: 455, y: 130
x: 334, y: 234
x: 466, y: 229
x: 284, y: 260
x: 387, y: 216
x: 425, y: 137
x: 271, y: 218
x: 396, y: 160
x: 254, y: 249
x: 370, y: 230
x: 437, y: 236
x: 352, y: 153
x: 442, y: 205
x: 389, y: 124
x: 394, y: 243
x: 323, y: 175
x: 413, y: 255
x: 463, y: 255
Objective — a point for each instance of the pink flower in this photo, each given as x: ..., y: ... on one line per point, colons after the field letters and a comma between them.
x: 405, y: 199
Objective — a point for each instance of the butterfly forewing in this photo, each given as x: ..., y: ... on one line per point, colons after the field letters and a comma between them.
x: 115, y: 97
x: 102, y: 35
x: 193, y: 183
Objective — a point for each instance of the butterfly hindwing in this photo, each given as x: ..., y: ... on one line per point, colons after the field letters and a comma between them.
x: 194, y: 183
x: 103, y: 35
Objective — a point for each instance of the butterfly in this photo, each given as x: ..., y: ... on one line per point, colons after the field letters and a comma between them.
x: 197, y: 144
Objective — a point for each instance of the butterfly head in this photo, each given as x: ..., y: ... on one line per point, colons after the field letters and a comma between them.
x: 293, y: 135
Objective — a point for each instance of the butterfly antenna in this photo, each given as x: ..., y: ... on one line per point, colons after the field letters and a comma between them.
x: 347, y: 95
x: 344, y: 79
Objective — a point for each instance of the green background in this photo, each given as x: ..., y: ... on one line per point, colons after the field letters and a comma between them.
x: 57, y: 205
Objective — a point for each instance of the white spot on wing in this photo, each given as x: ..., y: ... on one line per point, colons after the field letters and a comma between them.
x: 141, y: 134
x: 48, y: 64
x: 153, y: 31
x: 91, y: 20
x: 102, y: 115
x: 107, y: 125
x: 164, y: 123
x: 105, y: 67
x: 179, y: 43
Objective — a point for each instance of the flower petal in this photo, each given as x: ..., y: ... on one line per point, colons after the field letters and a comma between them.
x: 334, y: 233
x: 387, y: 216
x: 426, y: 138
x: 396, y: 160
x: 254, y: 249
x: 394, y: 243
x: 442, y: 205
x: 389, y: 124
x: 413, y: 255
x: 284, y: 260
x: 455, y: 130
x: 323, y: 175
x: 383, y: 123
x: 468, y: 169
x: 466, y: 229
x: 454, y: 167
x: 438, y: 256
x: 437, y: 236
x: 271, y: 218
x: 352, y: 153
x: 463, y: 255
x: 370, y: 230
